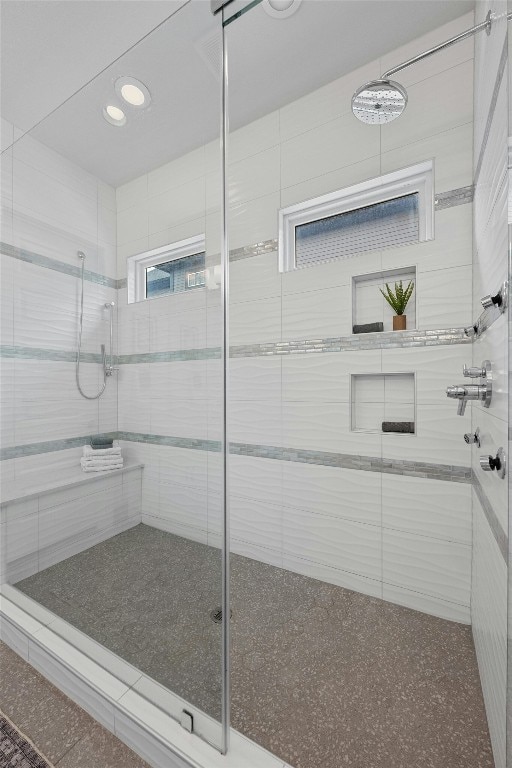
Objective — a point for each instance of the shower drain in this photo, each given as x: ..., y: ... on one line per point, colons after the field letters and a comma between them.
x: 216, y: 615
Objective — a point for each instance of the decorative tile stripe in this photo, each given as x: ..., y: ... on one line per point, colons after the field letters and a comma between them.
x: 205, y: 353
x: 38, y: 353
x: 492, y: 107
x: 494, y: 524
x: 454, y: 197
x: 257, y: 249
x: 49, y: 446
x: 122, y: 282
x: 451, y: 473
x: 174, y: 442
x: 58, y: 266
x: 387, y: 340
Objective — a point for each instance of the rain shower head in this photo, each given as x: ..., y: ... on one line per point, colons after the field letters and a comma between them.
x: 379, y: 101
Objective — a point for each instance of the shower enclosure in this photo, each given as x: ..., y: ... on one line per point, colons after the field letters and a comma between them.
x: 304, y: 559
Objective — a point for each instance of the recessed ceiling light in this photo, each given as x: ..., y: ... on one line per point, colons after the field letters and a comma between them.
x: 114, y: 115
x: 280, y: 9
x: 132, y: 91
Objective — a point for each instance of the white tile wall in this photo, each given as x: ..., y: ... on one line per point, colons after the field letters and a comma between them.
x: 52, y: 525
x: 489, y: 619
x: 58, y: 210
x: 490, y: 266
x: 435, y: 567
x: 301, y: 401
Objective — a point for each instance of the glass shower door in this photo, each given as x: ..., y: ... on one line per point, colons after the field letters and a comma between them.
x: 132, y: 559
x: 368, y: 577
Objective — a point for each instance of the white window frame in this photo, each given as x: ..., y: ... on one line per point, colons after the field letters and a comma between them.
x: 416, y: 178
x: 137, y: 264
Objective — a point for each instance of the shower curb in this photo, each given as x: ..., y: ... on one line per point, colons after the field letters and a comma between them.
x: 140, y: 724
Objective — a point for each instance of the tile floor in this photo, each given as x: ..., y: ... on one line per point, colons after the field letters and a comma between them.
x: 63, y: 732
x: 321, y: 676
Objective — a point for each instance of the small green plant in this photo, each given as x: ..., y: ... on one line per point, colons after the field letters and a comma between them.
x: 400, y: 298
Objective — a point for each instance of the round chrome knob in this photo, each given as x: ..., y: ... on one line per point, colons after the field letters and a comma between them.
x: 485, y: 463
x: 497, y: 463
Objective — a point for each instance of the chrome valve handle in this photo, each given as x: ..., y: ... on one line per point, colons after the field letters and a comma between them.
x: 468, y: 392
x: 496, y: 464
x: 473, y: 373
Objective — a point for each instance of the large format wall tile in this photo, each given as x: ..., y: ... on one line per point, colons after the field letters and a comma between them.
x: 343, y: 493
x: 435, y: 567
x: 425, y: 507
x: 489, y: 618
x: 333, y: 541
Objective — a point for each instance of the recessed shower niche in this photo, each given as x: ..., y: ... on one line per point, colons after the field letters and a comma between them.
x: 383, y: 402
x: 368, y: 303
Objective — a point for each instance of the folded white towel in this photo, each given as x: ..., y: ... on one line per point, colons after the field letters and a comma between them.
x: 102, y: 469
x: 89, y: 451
x: 108, y: 461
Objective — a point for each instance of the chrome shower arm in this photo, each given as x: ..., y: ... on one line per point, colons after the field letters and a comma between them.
x: 487, y: 24
x: 109, y: 369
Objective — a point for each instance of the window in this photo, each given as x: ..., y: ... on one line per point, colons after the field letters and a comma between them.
x: 196, y: 279
x: 391, y: 210
x: 172, y: 269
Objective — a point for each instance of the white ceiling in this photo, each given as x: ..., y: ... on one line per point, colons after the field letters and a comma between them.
x: 272, y: 61
x: 50, y: 48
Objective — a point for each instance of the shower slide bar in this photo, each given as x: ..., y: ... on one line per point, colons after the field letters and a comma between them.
x: 108, y: 368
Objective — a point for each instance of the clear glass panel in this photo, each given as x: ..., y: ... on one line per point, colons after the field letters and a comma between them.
x: 368, y: 545
x: 133, y: 558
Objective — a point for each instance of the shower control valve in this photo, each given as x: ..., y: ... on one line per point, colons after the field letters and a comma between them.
x: 469, y: 392
x: 496, y: 464
x: 473, y: 437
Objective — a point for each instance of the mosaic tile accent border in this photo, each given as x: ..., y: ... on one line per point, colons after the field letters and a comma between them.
x: 386, y: 340
x: 451, y: 473
x: 204, y: 353
x: 38, y: 353
x: 48, y: 446
x: 257, y: 249
x: 58, y: 266
x: 454, y: 197
x: 194, y: 444
x: 494, y: 524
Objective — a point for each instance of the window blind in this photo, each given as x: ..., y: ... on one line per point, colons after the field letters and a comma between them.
x: 381, y: 225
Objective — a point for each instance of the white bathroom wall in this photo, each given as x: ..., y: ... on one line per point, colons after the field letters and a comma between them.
x: 50, y: 210
x: 180, y: 400
x: 490, y: 270
x: 403, y: 534
x: 42, y: 528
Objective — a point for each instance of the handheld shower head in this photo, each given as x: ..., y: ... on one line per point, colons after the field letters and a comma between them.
x: 379, y: 101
